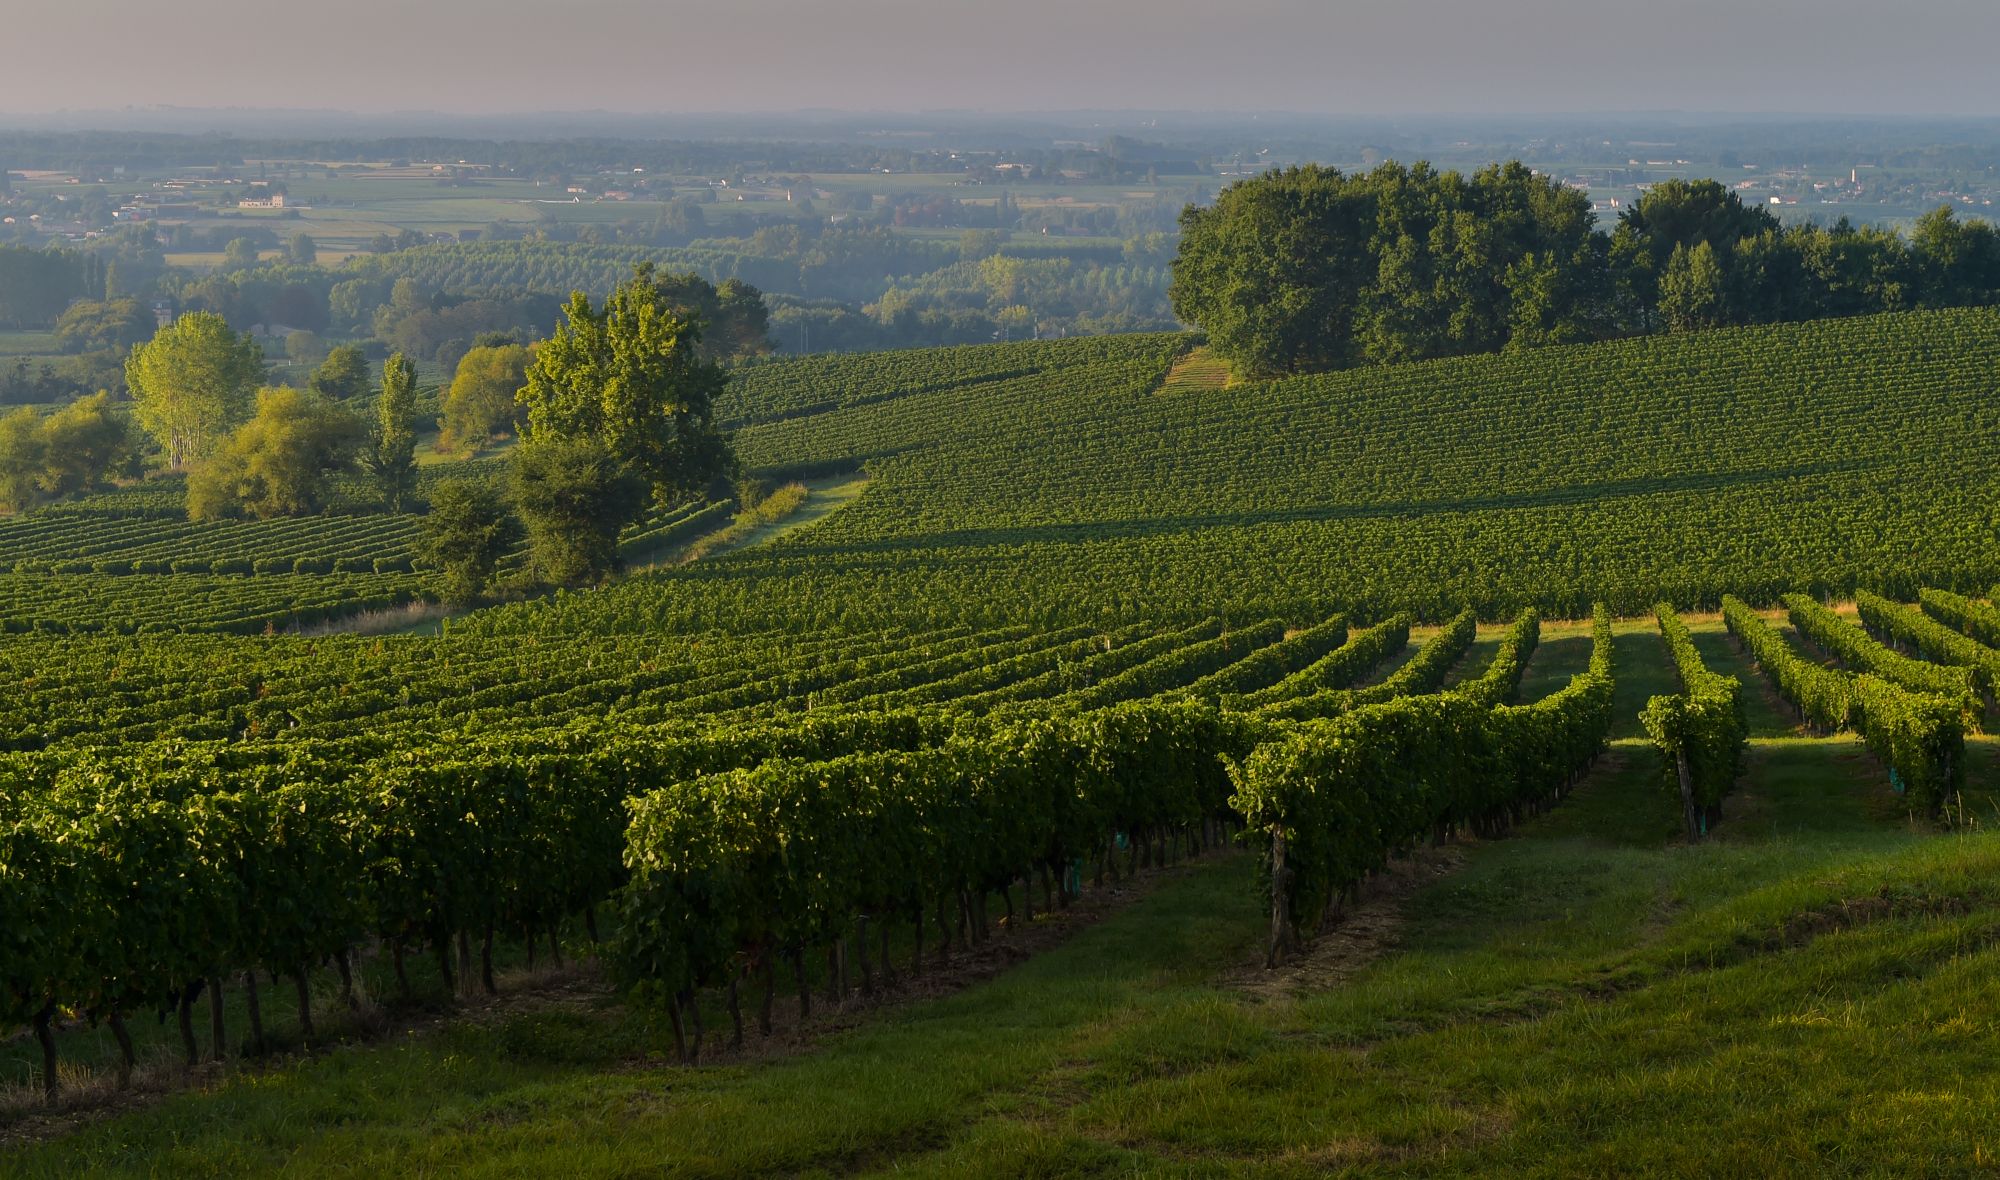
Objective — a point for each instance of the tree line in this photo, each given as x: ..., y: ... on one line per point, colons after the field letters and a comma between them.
x: 614, y: 412
x: 1307, y: 269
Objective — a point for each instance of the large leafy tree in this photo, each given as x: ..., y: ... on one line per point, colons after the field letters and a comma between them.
x: 629, y: 376
x: 480, y: 403
x: 466, y: 533
x: 85, y: 442
x: 575, y: 496
x: 1273, y: 270
x: 72, y: 450
x: 1958, y: 261
x: 88, y: 325
x: 278, y: 463
x: 1691, y: 290
x: 1307, y: 268
x: 392, y: 445
x: 23, y: 449
x: 342, y: 375
x: 192, y: 383
x: 1673, y: 215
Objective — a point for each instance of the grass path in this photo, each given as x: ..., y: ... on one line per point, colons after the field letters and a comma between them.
x: 1808, y: 993
x: 824, y: 497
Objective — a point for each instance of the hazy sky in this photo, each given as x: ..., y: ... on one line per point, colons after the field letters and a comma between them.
x: 1339, y: 56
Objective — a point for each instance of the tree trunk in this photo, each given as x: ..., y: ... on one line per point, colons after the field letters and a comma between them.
x: 917, y: 955
x: 555, y: 944
x: 256, y: 1012
x: 805, y: 988
x: 305, y: 1003
x: 346, y: 968
x: 680, y: 1031
x: 486, y: 963
x: 184, y: 1014
x: 216, y: 1034
x: 590, y: 922
x: 465, y: 959
x: 888, y: 968
x: 1281, y: 916
x: 126, y: 1058
x: 402, y: 973
x: 442, y: 946
x: 1688, y: 811
x: 861, y: 949
x: 45, y: 1036
x: 735, y: 1010
x: 694, y: 1020
x: 770, y: 995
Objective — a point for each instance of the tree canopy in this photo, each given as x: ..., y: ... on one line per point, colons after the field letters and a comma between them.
x: 629, y: 377
x: 1305, y: 269
x: 342, y: 375
x: 278, y: 463
x: 192, y: 382
x: 466, y: 533
x: 1308, y: 268
x: 391, y: 456
x: 575, y: 496
x: 480, y: 403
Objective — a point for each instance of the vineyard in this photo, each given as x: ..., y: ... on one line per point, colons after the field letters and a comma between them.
x: 1554, y: 651
x: 1817, y: 458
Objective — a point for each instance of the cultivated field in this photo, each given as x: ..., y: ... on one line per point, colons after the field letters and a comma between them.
x: 1566, y: 762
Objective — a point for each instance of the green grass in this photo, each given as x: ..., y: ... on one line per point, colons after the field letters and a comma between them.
x: 29, y: 344
x: 823, y: 497
x: 1808, y: 993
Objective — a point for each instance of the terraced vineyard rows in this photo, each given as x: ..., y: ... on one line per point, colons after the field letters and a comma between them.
x: 289, y: 759
x: 85, y: 604
x: 1814, y: 457
x: 1071, y: 626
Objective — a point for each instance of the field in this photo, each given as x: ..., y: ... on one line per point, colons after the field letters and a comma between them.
x: 1585, y: 993
x: 1108, y: 769
x: 1060, y: 489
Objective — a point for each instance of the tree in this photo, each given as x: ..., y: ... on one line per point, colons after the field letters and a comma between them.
x: 343, y: 375
x: 629, y: 377
x: 303, y: 347
x: 1691, y: 290
x: 392, y: 446
x: 1958, y: 262
x: 1274, y: 270
x: 89, y: 325
x: 83, y: 443
x: 279, y: 462
x: 481, y: 402
x: 239, y: 254
x: 575, y: 496
x: 742, y: 323
x: 192, y: 383
x: 22, y: 453
x: 1671, y: 215
x: 466, y: 533
x: 302, y: 249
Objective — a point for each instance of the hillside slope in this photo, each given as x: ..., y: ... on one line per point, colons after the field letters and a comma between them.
x: 1046, y: 483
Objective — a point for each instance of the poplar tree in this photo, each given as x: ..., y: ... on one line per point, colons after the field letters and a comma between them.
x: 392, y: 448
x: 192, y: 383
